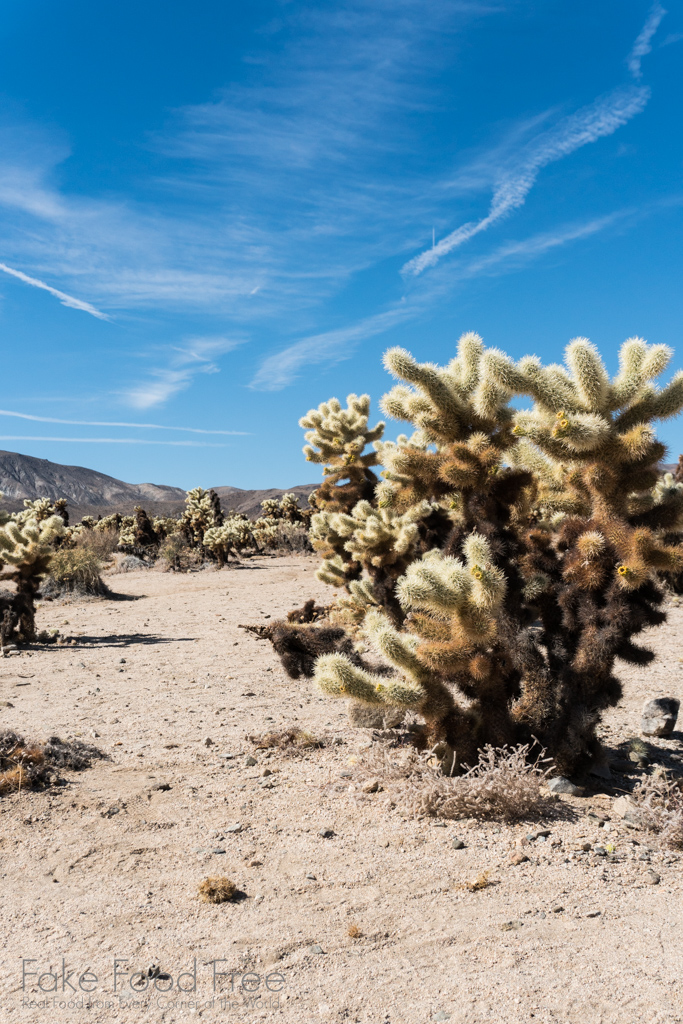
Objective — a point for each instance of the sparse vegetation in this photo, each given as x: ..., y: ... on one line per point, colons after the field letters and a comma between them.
x: 287, y: 739
x: 27, y: 765
x: 504, y: 785
x: 217, y: 889
x: 75, y: 570
x: 659, y: 803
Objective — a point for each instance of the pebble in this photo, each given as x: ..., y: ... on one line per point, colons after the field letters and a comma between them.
x: 458, y: 844
x: 659, y: 716
x: 326, y: 833
x: 651, y: 878
x: 512, y: 926
x: 560, y: 784
x: 558, y: 910
x: 518, y: 858
x: 250, y: 761
x: 265, y: 773
x: 312, y: 877
x: 599, y: 851
x: 218, y: 849
x: 441, y: 1015
x: 237, y: 827
x: 371, y: 786
x: 345, y: 775
x: 208, y: 742
x: 315, y: 948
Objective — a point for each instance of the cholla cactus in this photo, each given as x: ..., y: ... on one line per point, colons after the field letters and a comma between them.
x: 41, y: 509
x: 233, y: 537
x: 203, y: 512
x: 287, y: 509
x: 337, y: 439
x: 535, y: 561
x: 26, y: 547
x: 164, y: 526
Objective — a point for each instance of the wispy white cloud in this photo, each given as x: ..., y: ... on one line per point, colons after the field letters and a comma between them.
x: 587, y: 125
x: 109, y: 423
x: 516, y: 254
x: 282, y: 368
x: 643, y: 43
x: 66, y: 300
x: 114, y: 440
x: 197, y: 355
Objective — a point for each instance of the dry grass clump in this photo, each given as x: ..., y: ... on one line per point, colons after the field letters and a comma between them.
x: 176, y: 554
x: 504, y: 785
x: 25, y: 765
x: 482, y: 881
x: 287, y: 739
x: 659, y: 803
x: 75, y: 570
x: 102, y: 543
x: 354, y: 932
x: 217, y: 890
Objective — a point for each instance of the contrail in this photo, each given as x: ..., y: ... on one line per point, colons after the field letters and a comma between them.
x: 113, y: 440
x: 66, y: 300
x: 106, y: 423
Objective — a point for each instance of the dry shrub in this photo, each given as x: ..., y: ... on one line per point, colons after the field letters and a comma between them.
x: 176, y: 555
x: 217, y: 890
x: 24, y: 764
x: 291, y: 739
x: 659, y: 807
x: 289, y: 538
x: 482, y: 881
x: 354, y: 932
x: 74, y: 570
x: 102, y: 543
x: 309, y: 612
x: 504, y: 785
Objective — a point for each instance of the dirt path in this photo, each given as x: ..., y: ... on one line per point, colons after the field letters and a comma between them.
x: 108, y: 866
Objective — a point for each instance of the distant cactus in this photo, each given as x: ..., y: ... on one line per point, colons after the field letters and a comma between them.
x: 26, y: 548
x: 202, y: 512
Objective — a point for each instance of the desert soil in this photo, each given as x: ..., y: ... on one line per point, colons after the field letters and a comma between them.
x: 107, y: 866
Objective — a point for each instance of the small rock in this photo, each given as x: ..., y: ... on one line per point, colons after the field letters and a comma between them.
x: 326, y: 833
x: 586, y: 847
x: 518, y: 857
x: 441, y: 1015
x: 371, y: 786
x: 122, y: 661
x: 345, y: 775
x: 558, y: 910
x: 237, y: 827
x: 265, y: 773
x: 369, y: 716
x: 627, y: 809
x: 599, y: 851
x: 162, y: 787
x: 659, y: 716
x: 458, y: 844
x: 313, y: 878
x: 512, y: 926
x: 255, y: 863
x: 208, y: 742
x: 219, y: 849
x: 315, y: 948
x: 560, y: 784
x: 651, y: 878
x: 594, y: 913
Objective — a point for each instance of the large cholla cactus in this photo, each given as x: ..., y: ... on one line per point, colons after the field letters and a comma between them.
x: 541, y: 539
x: 26, y: 547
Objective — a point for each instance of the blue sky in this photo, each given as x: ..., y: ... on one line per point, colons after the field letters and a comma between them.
x: 214, y: 216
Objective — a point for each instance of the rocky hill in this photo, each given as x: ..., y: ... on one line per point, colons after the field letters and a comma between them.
x: 91, y: 493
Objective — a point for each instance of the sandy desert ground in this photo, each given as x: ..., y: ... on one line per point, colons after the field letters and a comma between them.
x: 107, y: 866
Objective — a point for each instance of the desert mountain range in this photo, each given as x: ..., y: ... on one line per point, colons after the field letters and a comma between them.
x: 89, y: 492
